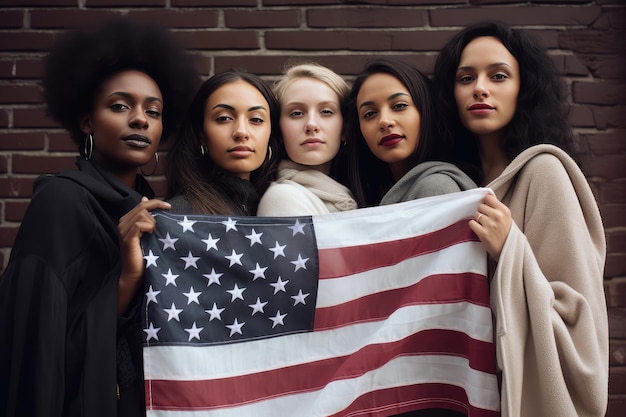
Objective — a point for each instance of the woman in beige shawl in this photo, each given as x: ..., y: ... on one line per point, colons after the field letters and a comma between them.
x: 502, y: 104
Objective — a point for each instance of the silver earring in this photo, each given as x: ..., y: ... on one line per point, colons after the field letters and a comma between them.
x: 269, y: 152
x: 88, y: 147
x: 156, y: 164
x: 202, y: 150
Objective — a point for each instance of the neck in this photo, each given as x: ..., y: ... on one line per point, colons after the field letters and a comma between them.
x: 127, y: 176
x: 492, y: 157
x: 398, y: 169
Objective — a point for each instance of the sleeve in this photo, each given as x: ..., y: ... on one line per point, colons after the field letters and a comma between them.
x: 548, y: 298
x: 33, y: 313
x: 432, y: 185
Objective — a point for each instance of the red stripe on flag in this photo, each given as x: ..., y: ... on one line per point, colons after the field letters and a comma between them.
x: 408, y: 398
x: 435, y: 289
x: 312, y: 376
x: 340, y: 262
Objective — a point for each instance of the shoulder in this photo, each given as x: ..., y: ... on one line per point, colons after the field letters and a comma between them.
x: 286, y: 199
x: 180, y: 205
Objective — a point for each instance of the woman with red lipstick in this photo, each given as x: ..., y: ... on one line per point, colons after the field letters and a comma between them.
x: 311, y: 123
x: 503, y: 111
x: 223, y: 160
x: 391, y: 138
x: 76, y: 264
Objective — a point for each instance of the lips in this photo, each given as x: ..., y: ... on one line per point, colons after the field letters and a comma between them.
x: 391, y: 140
x: 138, y: 141
x: 312, y: 142
x: 240, y: 151
x: 481, y: 106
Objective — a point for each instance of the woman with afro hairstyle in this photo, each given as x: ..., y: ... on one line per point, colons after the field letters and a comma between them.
x: 503, y: 105
x: 71, y: 338
x: 224, y: 159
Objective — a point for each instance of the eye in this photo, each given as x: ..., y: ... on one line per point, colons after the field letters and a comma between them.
x: 256, y: 120
x: 327, y: 112
x: 400, y: 106
x: 153, y: 113
x: 464, y: 79
x: 118, y: 107
x: 499, y: 77
x: 223, y: 119
x: 296, y: 113
x: 368, y: 114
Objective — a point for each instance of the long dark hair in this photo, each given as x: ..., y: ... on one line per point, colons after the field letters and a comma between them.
x: 196, y: 176
x: 541, y: 111
x: 368, y: 177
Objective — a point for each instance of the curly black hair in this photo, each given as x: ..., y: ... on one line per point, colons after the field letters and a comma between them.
x: 81, y: 60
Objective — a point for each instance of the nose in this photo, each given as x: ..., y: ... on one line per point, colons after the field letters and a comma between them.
x: 385, y: 120
x: 138, y: 119
x: 480, y: 88
x: 311, y: 125
x: 241, y: 130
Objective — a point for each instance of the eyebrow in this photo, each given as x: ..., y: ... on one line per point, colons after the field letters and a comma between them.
x: 391, y: 97
x: 129, y: 96
x: 494, y: 65
x: 231, y: 108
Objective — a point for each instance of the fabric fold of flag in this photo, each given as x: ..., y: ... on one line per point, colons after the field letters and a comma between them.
x: 370, y: 312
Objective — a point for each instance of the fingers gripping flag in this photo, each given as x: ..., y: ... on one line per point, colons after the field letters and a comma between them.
x: 371, y: 312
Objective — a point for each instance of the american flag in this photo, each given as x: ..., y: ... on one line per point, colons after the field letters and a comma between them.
x: 371, y: 312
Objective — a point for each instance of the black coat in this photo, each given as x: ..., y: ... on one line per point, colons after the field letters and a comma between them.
x: 63, y: 351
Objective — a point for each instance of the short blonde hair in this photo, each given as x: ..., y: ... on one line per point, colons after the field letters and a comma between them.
x: 316, y: 72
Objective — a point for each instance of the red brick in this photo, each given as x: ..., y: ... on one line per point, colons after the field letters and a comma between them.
x: 604, y: 92
x: 32, y: 118
x: 16, y: 187
x: 25, y: 164
x: 25, y: 41
x: 20, y: 94
x: 609, y: 142
x: 159, y: 185
x: 604, y: 66
x: 616, y: 241
x: 204, y: 64
x: 63, y: 19
x: 34, y: 3
x: 14, y: 210
x: 581, y: 116
x: 124, y: 3
x: 29, y: 68
x: 613, y: 192
x: 61, y: 142
x: 613, y: 215
x: 6, y: 69
x: 24, y: 141
x: 615, y: 265
x: 11, y: 19
x: 607, y: 166
x: 612, y: 19
x: 179, y: 18
x: 4, y: 164
x: 522, y: 15
x: 617, y: 298
x: 241, y: 19
x: 593, y: 42
x: 219, y: 40
x: 574, y: 65
x: 7, y: 235
x: 4, y: 118
x: 213, y: 3
x: 607, y: 117
x: 616, y: 406
x: 366, y: 17
x: 617, y: 380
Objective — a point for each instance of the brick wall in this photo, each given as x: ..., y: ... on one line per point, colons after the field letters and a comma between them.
x: 586, y: 39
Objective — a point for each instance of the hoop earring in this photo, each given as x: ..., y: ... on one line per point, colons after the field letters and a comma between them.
x: 156, y: 164
x: 202, y: 151
x: 269, y: 153
x: 88, y: 147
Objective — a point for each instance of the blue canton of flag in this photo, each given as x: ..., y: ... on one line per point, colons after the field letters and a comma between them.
x: 258, y: 278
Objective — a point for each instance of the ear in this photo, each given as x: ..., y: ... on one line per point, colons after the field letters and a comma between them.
x: 85, y: 124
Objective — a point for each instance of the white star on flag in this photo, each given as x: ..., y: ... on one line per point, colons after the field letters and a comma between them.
x: 257, y: 307
x: 258, y: 272
x: 278, y: 250
x: 187, y: 224
x: 192, y: 297
x: 152, y: 295
x: 213, y: 277
x: 300, y: 263
x: 168, y: 242
x: 152, y: 332
x: 190, y: 260
x: 234, y: 258
x: 254, y: 237
x: 230, y: 224
x: 299, y: 298
x: 279, y: 285
x: 297, y: 228
x: 215, y: 313
x: 170, y: 278
x: 150, y: 259
x: 173, y: 313
x: 194, y: 332
x: 278, y: 319
x: 235, y: 327
x: 236, y: 292
x: 210, y: 242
